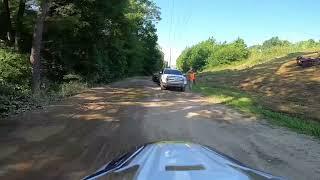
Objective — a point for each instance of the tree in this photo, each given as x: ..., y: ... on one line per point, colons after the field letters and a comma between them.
x: 99, y: 40
x: 22, y: 6
x: 272, y: 42
x: 8, y: 23
x: 211, y: 53
x: 35, y: 58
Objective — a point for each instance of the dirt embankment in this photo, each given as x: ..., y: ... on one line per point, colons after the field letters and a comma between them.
x: 282, y: 85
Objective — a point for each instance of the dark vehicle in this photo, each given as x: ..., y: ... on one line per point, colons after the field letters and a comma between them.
x: 307, y: 62
x: 156, y: 77
x: 177, y: 160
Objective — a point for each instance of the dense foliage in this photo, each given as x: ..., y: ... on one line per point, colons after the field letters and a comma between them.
x: 210, y: 54
x: 14, y: 80
x: 100, y: 41
x: 104, y: 40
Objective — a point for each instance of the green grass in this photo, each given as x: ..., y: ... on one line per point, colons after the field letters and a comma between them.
x: 259, y: 57
x: 249, y: 104
x: 219, y: 86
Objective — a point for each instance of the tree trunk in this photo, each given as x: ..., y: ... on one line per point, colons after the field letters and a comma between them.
x: 22, y: 6
x: 8, y: 20
x: 36, y: 47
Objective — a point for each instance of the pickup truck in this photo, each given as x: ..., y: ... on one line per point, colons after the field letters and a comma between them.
x: 172, y: 78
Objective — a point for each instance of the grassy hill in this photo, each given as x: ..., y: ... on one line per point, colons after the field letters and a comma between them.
x: 269, y: 85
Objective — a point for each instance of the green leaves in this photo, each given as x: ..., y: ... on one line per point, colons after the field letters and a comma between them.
x: 14, y: 67
x: 104, y: 40
x: 210, y: 53
x: 275, y: 42
x: 98, y: 40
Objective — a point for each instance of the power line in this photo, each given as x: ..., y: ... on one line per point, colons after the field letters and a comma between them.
x: 314, y: 35
x: 170, y: 29
x: 173, y: 30
x: 187, y: 23
x: 185, y: 18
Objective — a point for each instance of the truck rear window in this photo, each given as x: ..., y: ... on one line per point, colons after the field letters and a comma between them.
x: 172, y: 71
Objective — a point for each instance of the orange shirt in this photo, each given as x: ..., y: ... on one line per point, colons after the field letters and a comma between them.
x: 192, y: 76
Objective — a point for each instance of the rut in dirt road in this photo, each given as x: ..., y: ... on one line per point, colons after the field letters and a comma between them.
x: 73, y: 138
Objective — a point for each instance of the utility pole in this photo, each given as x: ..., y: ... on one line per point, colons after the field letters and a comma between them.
x: 170, y: 59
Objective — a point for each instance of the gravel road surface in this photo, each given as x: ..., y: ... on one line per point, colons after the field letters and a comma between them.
x: 72, y: 138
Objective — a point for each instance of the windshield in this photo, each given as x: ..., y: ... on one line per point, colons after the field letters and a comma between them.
x: 172, y: 71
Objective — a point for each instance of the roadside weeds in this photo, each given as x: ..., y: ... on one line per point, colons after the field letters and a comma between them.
x: 249, y: 104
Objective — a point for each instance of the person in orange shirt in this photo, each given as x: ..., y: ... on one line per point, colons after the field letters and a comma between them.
x: 191, y: 78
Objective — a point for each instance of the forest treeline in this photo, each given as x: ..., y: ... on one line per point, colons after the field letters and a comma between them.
x: 46, y: 43
x: 210, y: 53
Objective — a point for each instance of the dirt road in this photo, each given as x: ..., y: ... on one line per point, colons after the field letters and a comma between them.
x: 70, y: 139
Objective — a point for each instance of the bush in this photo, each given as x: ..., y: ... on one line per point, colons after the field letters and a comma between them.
x: 210, y: 53
x: 15, y: 93
x: 227, y: 53
x: 14, y: 68
x: 13, y: 99
x: 15, y: 76
x: 72, y: 88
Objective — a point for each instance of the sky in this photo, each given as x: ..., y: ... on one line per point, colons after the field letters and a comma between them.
x: 187, y: 22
